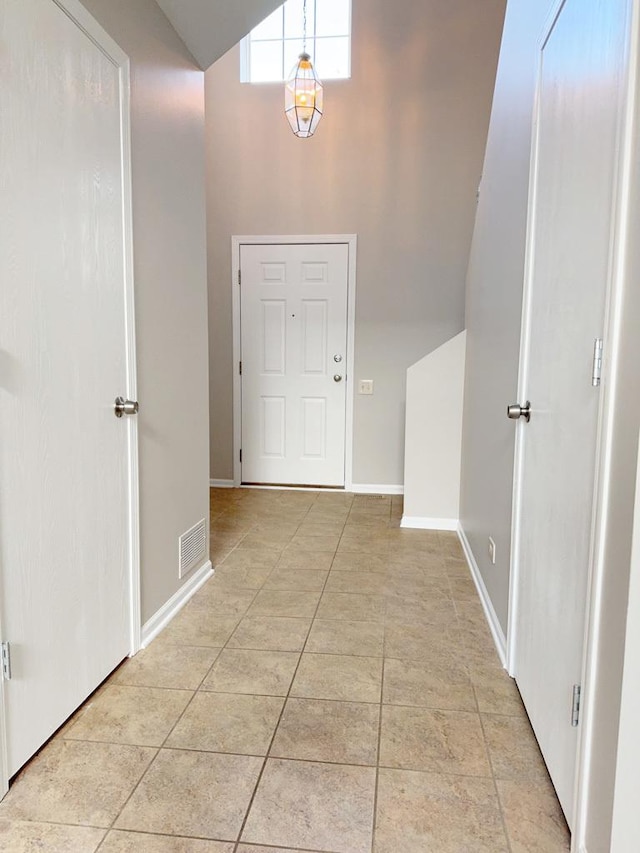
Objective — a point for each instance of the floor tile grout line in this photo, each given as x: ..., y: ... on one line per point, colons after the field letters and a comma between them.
x: 159, y: 749
x: 277, y: 726
x: 135, y: 788
x: 430, y: 708
x: 460, y: 619
x: 495, y: 784
x: 377, y: 781
x: 194, y: 694
x: 457, y: 611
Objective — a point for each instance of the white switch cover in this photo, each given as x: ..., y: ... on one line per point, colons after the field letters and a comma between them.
x: 365, y: 386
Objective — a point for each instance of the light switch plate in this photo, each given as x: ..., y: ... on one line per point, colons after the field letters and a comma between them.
x: 365, y: 386
x: 492, y: 550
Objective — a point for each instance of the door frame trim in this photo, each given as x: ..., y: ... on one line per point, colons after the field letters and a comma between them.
x: 611, y: 322
x: 618, y: 282
x: 99, y: 36
x: 351, y: 241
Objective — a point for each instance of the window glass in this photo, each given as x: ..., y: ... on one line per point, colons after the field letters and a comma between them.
x: 332, y: 18
x: 266, y: 61
x: 272, y: 48
x: 332, y: 55
x: 294, y: 18
x: 270, y: 28
x: 292, y: 50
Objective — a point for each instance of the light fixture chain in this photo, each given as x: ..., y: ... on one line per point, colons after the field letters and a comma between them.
x: 304, y: 26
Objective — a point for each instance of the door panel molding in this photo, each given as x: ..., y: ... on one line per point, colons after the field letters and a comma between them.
x: 350, y: 240
x: 98, y: 35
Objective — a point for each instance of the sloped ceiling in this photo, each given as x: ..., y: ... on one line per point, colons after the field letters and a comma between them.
x: 210, y: 27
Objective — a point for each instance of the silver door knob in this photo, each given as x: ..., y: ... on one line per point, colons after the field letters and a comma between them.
x: 514, y: 411
x: 126, y: 407
x: 337, y: 378
x: 337, y: 358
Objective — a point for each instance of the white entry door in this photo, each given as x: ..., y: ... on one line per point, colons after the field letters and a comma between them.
x: 580, y: 89
x: 64, y: 469
x: 294, y: 357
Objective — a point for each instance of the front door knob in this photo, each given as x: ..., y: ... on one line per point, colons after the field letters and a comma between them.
x: 514, y: 411
x: 337, y: 378
x: 126, y: 407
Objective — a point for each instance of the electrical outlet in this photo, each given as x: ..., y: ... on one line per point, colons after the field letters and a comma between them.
x: 365, y: 386
x: 492, y: 551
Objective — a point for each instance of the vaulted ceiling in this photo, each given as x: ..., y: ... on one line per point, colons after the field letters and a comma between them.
x: 210, y: 27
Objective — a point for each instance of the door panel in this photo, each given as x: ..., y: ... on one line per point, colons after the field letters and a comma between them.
x: 570, y: 231
x: 63, y: 454
x: 293, y: 323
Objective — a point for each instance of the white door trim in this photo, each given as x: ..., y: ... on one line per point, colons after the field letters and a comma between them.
x: 612, y: 324
x: 621, y: 237
x: 349, y: 240
x: 87, y: 23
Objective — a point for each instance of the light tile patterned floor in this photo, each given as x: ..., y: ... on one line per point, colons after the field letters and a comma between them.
x: 334, y: 688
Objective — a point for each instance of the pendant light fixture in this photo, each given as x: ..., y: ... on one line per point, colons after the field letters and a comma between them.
x: 303, y: 91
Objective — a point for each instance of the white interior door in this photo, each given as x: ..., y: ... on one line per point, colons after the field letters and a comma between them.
x: 294, y: 357
x: 580, y: 91
x: 64, y: 470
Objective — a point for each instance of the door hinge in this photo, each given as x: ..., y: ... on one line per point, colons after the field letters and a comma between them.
x: 240, y: 368
x: 575, y: 705
x: 596, y: 374
x: 241, y: 455
x: 6, y: 661
x: 239, y: 277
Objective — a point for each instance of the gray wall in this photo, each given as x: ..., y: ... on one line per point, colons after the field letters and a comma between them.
x: 397, y: 160
x: 494, y: 303
x: 210, y: 27
x: 167, y: 114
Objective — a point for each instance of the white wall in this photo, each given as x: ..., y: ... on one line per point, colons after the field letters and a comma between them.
x: 167, y: 115
x: 396, y: 160
x: 626, y: 814
x: 433, y: 438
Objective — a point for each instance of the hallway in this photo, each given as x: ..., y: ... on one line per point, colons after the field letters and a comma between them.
x: 333, y: 688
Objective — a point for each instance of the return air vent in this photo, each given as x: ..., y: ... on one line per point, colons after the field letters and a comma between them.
x: 192, y: 547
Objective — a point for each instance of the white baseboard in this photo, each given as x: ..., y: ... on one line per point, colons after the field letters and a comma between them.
x: 374, y: 489
x: 417, y: 523
x: 494, y: 624
x: 221, y: 484
x: 165, y: 614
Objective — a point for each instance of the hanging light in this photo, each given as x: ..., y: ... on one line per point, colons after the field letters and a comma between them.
x: 303, y: 92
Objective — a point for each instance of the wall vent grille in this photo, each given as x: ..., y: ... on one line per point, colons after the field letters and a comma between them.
x: 192, y: 547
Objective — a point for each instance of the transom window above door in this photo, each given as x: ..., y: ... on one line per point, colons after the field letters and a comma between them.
x: 271, y: 49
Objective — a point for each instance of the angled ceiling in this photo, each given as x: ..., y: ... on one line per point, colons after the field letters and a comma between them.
x: 210, y: 27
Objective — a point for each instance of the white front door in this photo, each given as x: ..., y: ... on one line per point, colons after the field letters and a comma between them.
x: 580, y: 93
x: 294, y: 357
x: 64, y: 471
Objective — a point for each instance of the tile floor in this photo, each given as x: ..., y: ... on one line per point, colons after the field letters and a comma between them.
x: 334, y: 688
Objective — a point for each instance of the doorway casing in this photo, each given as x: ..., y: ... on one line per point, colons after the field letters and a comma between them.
x: 350, y: 240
